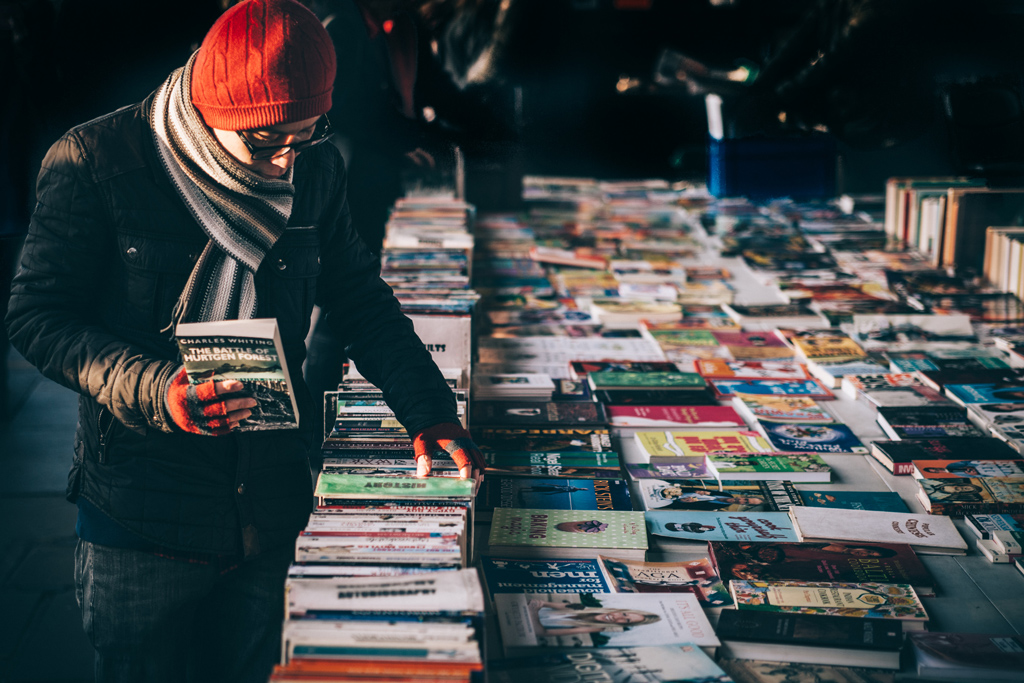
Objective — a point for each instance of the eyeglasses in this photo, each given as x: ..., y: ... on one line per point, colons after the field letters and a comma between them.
x: 321, y: 133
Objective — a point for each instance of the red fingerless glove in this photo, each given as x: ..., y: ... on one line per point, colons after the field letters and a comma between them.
x: 452, y: 439
x: 196, y: 408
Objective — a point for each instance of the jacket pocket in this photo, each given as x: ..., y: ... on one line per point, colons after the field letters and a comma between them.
x: 155, y: 272
x: 288, y: 275
x: 105, y: 422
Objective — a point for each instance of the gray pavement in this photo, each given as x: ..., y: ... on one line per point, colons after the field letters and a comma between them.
x: 41, y: 636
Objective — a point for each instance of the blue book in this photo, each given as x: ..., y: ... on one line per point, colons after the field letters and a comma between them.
x: 986, y: 393
x: 885, y: 501
x: 696, y: 525
x: 771, y: 387
x: 543, y: 576
x: 811, y: 438
x: 551, y: 493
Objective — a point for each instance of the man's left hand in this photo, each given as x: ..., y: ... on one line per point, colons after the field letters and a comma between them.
x: 451, y: 439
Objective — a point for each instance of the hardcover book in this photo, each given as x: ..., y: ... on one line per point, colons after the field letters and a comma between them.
x: 506, y: 575
x: 968, y: 656
x: 821, y: 561
x: 721, y: 526
x: 535, y: 533
x: 813, y: 638
x: 899, y: 456
x: 565, y: 620
x: 681, y: 664
x: 549, y: 493
x: 811, y: 438
x: 929, y: 534
x: 695, y: 576
x: 922, y: 422
x: 864, y: 600
x: 249, y: 351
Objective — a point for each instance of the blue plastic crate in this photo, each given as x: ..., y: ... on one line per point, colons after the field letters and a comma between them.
x: 767, y: 167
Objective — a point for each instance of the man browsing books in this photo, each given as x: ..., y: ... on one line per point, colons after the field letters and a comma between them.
x: 212, y: 200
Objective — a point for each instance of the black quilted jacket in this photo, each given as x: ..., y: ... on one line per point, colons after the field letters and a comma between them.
x: 109, y: 248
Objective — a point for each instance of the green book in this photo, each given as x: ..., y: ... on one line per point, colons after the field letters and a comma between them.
x: 567, y: 533
x: 332, y: 485
x: 609, y: 379
x: 600, y: 459
x: 801, y: 467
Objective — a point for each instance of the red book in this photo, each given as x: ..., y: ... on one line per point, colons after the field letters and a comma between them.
x: 660, y: 417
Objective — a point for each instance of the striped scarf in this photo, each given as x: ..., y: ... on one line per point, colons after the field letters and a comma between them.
x: 242, y: 213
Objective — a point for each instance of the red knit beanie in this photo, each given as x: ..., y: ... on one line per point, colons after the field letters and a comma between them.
x: 265, y: 62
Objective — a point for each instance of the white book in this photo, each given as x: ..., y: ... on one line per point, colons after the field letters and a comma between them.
x: 533, y: 622
x: 451, y: 592
x: 929, y: 534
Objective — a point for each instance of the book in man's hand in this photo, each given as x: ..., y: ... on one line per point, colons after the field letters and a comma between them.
x: 251, y: 352
x: 810, y: 638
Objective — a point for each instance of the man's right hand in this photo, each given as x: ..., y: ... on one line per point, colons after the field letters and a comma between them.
x: 207, y: 408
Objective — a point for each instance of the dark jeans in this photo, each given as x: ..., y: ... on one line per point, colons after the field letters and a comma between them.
x: 154, y: 619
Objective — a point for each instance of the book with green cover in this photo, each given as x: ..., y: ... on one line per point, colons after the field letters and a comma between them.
x: 609, y: 379
x: 331, y: 485
x: 517, y: 532
x: 800, y: 467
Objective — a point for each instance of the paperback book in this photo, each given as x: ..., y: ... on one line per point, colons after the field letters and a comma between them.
x: 541, y: 533
x: 717, y: 368
x: 869, y: 600
x: 679, y: 664
x: 808, y: 388
x: 973, y: 469
x: 811, y: 438
x: 511, y: 413
x: 781, y: 409
x: 733, y: 496
x: 968, y: 656
x: 561, y: 620
x: 923, y: 422
x: 957, y: 497
x: 672, y: 416
x: 506, y: 575
x: 984, y: 524
x: 695, y: 444
x: 721, y: 526
x: 250, y: 352
x: 695, y: 576
x: 929, y: 534
x: 543, y: 439
x: 888, y: 501
x: 822, y: 561
x: 796, y: 467
x: 549, y: 493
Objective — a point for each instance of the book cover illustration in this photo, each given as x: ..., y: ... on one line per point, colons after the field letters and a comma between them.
x: 823, y: 345
x: 888, y: 501
x: 543, y: 576
x: 956, y: 497
x: 553, y: 494
x: 735, y: 369
x: 659, y: 494
x: 991, y: 393
x: 997, y: 414
x: 669, y: 468
x: 571, y: 390
x: 673, y: 416
x: 754, y: 345
x: 821, y: 561
x: 696, y: 576
x: 863, y: 600
x: 250, y: 352
x: 812, y: 438
x: 761, y: 671
x: 952, y: 469
x: 581, y: 368
x: 696, y: 444
x: 809, y: 388
x: 721, y: 526
x: 543, y: 528
x: 782, y: 408
x: 680, y: 664
x: 985, y: 524
x: 602, y: 620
